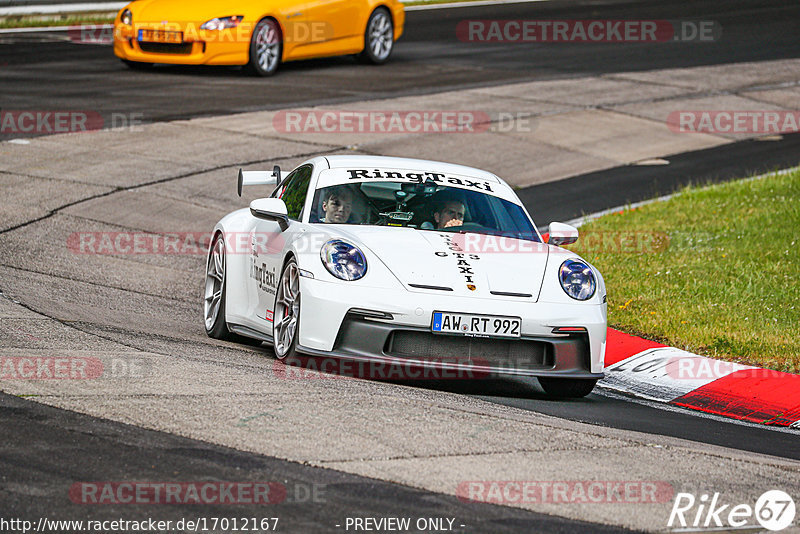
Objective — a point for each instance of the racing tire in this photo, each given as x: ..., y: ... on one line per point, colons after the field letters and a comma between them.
x: 214, y: 301
x: 566, y: 388
x: 286, y: 317
x: 378, y: 38
x: 137, y: 65
x: 266, y: 49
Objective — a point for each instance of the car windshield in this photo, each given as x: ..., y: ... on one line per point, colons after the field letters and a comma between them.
x: 425, y: 206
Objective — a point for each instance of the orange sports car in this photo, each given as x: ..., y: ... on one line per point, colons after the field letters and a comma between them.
x: 259, y: 35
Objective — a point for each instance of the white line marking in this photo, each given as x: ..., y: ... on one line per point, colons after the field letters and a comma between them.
x: 450, y: 5
x: 51, y: 9
x: 53, y: 28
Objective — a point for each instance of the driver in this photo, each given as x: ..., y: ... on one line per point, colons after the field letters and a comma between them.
x: 337, y: 204
x: 449, y: 213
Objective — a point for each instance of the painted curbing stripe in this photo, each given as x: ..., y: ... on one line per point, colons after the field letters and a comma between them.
x: 669, y: 375
x: 620, y: 346
x: 755, y: 395
x: 664, y: 374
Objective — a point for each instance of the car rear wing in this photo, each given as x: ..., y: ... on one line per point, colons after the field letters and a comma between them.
x: 258, y: 178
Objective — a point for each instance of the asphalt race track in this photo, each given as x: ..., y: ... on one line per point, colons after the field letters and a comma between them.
x: 47, y: 71
x: 316, y: 499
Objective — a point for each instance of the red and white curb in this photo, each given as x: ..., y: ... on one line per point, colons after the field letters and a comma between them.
x: 665, y: 374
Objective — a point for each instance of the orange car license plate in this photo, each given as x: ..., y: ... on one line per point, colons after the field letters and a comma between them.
x: 161, y: 36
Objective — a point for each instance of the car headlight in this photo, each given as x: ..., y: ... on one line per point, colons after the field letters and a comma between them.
x: 126, y: 18
x: 222, y: 23
x: 343, y: 260
x: 577, y: 279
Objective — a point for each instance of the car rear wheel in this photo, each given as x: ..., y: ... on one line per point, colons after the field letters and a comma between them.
x: 571, y: 388
x: 214, y: 304
x: 266, y: 48
x: 378, y: 37
x: 286, y: 318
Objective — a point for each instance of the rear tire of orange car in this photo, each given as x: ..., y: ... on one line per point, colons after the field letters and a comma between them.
x: 137, y: 65
x: 378, y: 37
x: 266, y: 48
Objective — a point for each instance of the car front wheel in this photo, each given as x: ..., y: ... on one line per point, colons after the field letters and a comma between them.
x: 286, y: 317
x: 266, y: 48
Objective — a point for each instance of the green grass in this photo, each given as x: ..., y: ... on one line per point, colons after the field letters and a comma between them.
x: 726, y: 284
x: 76, y: 20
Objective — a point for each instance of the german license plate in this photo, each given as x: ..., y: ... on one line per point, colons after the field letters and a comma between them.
x: 476, y: 325
x: 160, y: 36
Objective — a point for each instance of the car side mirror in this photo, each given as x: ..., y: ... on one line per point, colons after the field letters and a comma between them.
x: 562, y: 234
x: 271, y: 209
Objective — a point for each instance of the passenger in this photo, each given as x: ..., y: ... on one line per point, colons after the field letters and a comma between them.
x: 337, y: 204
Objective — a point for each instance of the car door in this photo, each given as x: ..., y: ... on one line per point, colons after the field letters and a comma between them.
x: 271, y: 243
x: 323, y: 27
x: 339, y: 18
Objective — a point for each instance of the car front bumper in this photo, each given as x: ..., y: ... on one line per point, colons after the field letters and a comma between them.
x: 224, y: 47
x: 394, y: 327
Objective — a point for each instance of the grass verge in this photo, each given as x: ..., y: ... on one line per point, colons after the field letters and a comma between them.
x: 714, y: 270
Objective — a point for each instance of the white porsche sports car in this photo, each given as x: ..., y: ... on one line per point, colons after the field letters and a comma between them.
x: 404, y: 261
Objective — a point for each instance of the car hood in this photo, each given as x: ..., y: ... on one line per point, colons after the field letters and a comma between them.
x: 457, y: 264
x: 177, y: 11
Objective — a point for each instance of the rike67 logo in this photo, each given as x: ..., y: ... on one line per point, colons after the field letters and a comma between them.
x: 774, y: 510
